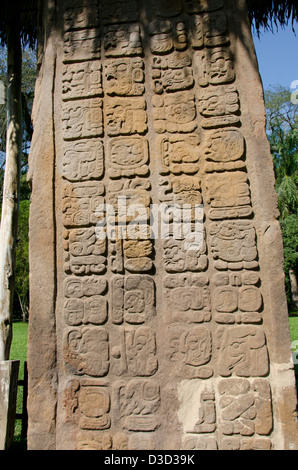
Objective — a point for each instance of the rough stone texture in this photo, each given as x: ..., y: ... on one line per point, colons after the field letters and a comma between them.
x: 9, y: 374
x: 143, y: 344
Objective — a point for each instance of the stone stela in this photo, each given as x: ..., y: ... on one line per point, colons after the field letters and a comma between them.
x: 141, y: 343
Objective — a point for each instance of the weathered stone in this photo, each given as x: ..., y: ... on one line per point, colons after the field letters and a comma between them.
x: 146, y: 332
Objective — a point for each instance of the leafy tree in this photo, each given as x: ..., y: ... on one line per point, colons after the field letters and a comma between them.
x: 282, y: 130
x: 289, y: 228
x: 21, y: 297
x: 282, y: 126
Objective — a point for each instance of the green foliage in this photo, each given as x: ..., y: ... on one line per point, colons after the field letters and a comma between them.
x: 21, y: 289
x: 22, y: 260
x: 289, y: 227
x: 282, y: 130
x: 287, y: 196
x: 290, y: 236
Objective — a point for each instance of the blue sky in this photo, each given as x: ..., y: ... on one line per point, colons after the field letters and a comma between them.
x: 278, y: 56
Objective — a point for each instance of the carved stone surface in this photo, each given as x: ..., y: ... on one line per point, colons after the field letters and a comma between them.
x: 82, y: 80
x: 82, y: 119
x: 158, y: 316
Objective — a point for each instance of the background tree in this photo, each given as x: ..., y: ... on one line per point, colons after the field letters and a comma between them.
x: 21, y: 297
x: 21, y: 288
x: 289, y: 228
x: 282, y: 131
x: 10, y: 198
x: 15, y: 28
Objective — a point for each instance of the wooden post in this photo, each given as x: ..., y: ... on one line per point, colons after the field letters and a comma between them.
x: 10, y: 203
x: 9, y: 371
x: 294, y: 288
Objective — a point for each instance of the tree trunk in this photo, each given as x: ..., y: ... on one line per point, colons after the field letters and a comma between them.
x: 294, y: 288
x: 10, y: 204
x: 23, y: 308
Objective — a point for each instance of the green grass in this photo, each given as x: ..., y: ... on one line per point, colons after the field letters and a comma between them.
x: 19, y: 352
x: 294, y: 328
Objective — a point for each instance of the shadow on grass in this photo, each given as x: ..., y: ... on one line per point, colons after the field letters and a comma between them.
x: 19, y: 443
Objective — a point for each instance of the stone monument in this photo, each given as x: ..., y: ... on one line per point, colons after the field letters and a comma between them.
x: 158, y: 314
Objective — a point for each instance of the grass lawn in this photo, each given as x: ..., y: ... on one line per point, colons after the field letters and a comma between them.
x: 19, y: 352
x: 294, y: 328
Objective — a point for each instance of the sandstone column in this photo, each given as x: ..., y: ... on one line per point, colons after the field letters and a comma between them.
x: 140, y: 341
